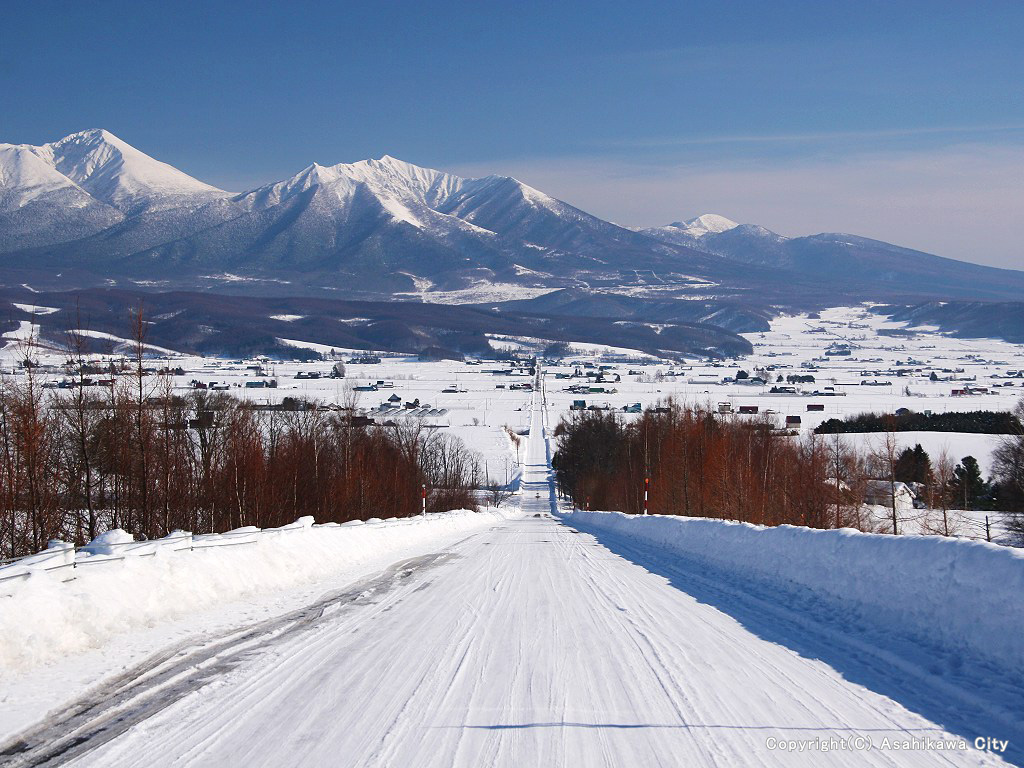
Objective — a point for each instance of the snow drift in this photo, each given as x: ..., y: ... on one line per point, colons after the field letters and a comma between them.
x: 117, y: 585
x: 962, y: 596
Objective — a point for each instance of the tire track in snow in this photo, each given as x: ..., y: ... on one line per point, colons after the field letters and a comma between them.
x: 147, y: 689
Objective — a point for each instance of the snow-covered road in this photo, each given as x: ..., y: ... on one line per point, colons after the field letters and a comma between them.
x: 531, y: 643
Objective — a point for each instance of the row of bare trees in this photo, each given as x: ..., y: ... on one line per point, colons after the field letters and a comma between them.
x: 702, y: 464
x: 137, y: 454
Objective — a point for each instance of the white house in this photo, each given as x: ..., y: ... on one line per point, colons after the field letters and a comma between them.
x: 880, y: 492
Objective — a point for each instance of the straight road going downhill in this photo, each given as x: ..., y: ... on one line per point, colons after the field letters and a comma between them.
x: 530, y: 644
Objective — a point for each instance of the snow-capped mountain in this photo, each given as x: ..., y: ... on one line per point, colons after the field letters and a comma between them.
x: 498, y: 211
x: 92, y: 206
x: 695, y: 230
x: 841, y: 260
x: 102, y: 168
x: 85, y: 184
x: 116, y: 173
x: 708, y: 223
x: 376, y: 226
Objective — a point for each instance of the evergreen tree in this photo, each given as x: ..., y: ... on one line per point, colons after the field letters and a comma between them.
x: 913, y: 466
x: 968, y: 486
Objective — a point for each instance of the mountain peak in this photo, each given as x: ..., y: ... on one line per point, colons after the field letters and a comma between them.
x: 116, y: 173
x: 393, y: 178
x: 388, y: 176
x: 97, y: 135
x: 705, y: 224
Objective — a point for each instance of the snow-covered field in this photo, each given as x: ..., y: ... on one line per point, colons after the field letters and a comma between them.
x: 483, y: 403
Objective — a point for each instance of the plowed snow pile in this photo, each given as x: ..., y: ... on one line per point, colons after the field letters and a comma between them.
x: 117, y: 585
x: 962, y: 596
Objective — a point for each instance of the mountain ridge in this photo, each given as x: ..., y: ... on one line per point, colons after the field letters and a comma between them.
x: 92, y: 205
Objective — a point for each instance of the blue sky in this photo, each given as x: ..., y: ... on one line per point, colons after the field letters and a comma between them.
x: 903, y: 121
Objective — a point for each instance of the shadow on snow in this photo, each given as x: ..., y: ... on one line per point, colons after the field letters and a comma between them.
x: 964, y: 696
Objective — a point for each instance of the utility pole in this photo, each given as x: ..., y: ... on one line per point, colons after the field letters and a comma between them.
x: 647, y: 465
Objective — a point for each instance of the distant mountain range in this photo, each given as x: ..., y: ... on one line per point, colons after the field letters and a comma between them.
x: 870, y: 267
x: 91, y: 209
x: 90, y: 212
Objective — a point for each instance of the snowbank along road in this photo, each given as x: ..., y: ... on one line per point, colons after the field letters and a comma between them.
x: 531, y: 643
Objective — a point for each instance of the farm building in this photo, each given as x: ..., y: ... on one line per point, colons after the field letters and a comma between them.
x: 881, y: 492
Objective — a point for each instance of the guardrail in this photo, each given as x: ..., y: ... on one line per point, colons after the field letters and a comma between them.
x: 98, y: 553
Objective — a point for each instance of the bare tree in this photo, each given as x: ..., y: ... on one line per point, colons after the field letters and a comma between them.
x: 940, y: 494
x: 884, y: 459
x: 144, y: 432
x: 81, y: 412
x: 1008, y: 468
x: 34, y: 436
x: 498, y: 494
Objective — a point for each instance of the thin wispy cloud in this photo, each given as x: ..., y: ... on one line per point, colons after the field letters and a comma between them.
x: 818, y: 136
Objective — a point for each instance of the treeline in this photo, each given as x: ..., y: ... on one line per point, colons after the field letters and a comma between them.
x: 141, y: 456
x: 700, y: 463
x: 977, y: 422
